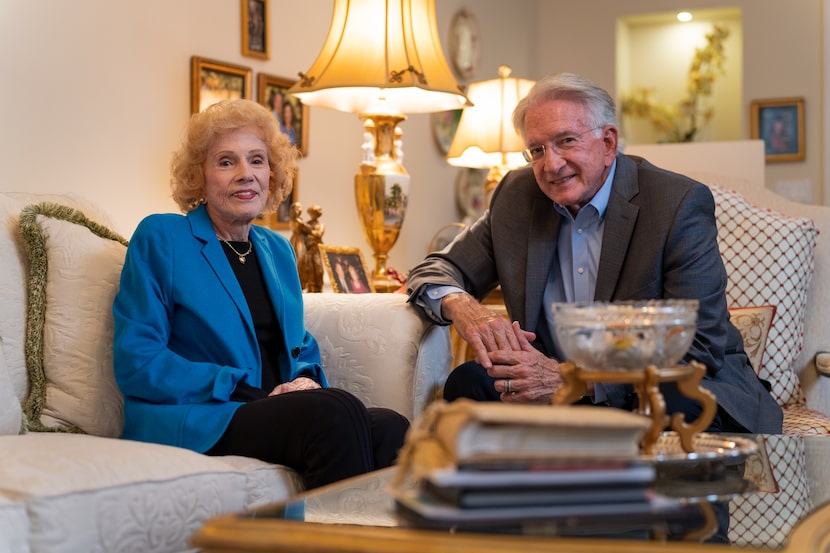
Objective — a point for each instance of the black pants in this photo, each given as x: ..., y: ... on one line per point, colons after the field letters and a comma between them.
x: 471, y: 380
x: 325, y: 435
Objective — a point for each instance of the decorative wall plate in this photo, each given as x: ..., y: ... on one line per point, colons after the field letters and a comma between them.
x: 444, y: 236
x: 469, y: 192
x: 444, y: 124
x: 464, y: 44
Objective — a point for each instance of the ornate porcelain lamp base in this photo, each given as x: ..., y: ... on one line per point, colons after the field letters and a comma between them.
x: 652, y: 404
x: 381, y: 192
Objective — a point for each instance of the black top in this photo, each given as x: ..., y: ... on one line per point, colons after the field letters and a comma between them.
x: 267, y: 326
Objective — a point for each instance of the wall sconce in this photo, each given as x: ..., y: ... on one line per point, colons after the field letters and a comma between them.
x: 381, y: 59
x: 485, y: 137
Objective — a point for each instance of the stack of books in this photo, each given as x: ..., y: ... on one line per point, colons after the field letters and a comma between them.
x: 504, y: 466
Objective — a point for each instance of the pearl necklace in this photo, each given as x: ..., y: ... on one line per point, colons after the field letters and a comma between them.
x: 241, y: 256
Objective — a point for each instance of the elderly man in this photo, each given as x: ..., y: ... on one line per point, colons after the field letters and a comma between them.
x: 583, y: 222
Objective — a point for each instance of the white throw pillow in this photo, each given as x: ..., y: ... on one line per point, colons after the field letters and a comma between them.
x: 769, y: 260
x: 75, y: 267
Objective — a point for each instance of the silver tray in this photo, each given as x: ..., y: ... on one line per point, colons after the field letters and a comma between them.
x: 707, y: 447
x: 715, y: 471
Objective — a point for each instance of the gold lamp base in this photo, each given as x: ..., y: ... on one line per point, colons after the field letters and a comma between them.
x: 494, y: 177
x: 382, y: 192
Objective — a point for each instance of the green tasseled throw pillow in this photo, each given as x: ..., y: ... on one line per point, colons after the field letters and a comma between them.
x: 75, y: 266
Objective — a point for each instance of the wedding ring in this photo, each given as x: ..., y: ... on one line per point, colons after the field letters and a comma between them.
x: 507, y: 386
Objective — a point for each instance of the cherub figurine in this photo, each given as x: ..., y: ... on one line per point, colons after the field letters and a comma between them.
x: 298, y: 241
x: 313, y: 230
x: 368, y: 148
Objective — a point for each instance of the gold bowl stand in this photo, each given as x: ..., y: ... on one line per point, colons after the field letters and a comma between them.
x: 651, y: 401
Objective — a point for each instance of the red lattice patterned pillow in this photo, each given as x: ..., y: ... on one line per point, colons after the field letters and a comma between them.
x: 769, y: 261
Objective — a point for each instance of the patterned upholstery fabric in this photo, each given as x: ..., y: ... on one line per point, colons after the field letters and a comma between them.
x: 800, y: 420
x: 10, y: 413
x: 379, y: 349
x: 80, y: 490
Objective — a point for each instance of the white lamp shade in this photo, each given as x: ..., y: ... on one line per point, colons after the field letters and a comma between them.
x: 381, y: 56
x: 485, y: 136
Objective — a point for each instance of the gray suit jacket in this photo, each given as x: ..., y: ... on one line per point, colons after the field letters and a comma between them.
x: 659, y: 241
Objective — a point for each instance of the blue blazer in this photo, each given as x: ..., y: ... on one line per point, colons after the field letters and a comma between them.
x: 184, y: 336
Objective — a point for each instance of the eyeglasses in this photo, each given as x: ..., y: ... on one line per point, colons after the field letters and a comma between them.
x: 562, y: 145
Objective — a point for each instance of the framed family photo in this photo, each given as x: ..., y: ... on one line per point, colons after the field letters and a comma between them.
x: 346, y: 269
x: 290, y: 113
x: 780, y: 124
x: 255, y: 28
x: 212, y: 81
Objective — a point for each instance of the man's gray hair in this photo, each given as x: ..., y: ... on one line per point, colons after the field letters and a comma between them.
x: 568, y: 86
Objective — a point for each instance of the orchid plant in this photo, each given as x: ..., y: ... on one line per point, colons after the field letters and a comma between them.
x: 682, y: 122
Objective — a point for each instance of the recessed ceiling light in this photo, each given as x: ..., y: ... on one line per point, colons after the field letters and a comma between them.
x: 684, y: 16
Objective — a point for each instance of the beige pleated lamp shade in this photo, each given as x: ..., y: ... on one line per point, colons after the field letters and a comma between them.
x: 485, y: 137
x: 381, y: 56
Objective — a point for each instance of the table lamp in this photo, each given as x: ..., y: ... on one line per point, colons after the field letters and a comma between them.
x: 381, y: 59
x: 485, y: 137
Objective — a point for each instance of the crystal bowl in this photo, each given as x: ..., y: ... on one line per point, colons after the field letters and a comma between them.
x: 625, y: 335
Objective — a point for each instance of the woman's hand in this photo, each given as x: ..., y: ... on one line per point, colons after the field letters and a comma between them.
x: 300, y: 383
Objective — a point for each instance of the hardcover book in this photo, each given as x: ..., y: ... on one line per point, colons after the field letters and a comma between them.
x: 468, y: 433
x: 429, y: 511
x: 471, y: 429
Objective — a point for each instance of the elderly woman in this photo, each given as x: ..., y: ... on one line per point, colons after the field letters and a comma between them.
x: 211, y: 352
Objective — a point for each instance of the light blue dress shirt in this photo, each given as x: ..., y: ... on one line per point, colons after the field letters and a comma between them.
x: 577, y: 251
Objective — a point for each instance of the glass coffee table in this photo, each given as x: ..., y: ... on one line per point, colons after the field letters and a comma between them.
x: 789, y: 510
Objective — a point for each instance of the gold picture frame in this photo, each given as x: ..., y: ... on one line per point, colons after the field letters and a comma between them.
x: 780, y: 124
x: 346, y: 269
x: 255, y: 28
x: 270, y: 88
x: 212, y: 81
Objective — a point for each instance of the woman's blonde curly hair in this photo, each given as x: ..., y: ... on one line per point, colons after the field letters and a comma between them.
x: 187, y: 166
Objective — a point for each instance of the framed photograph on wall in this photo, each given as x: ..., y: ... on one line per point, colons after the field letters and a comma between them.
x: 780, y: 124
x: 346, y: 269
x: 281, y: 218
x: 290, y: 113
x: 255, y: 28
x: 212, y: 81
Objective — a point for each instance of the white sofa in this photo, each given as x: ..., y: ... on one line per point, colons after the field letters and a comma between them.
x: 73, y: 492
